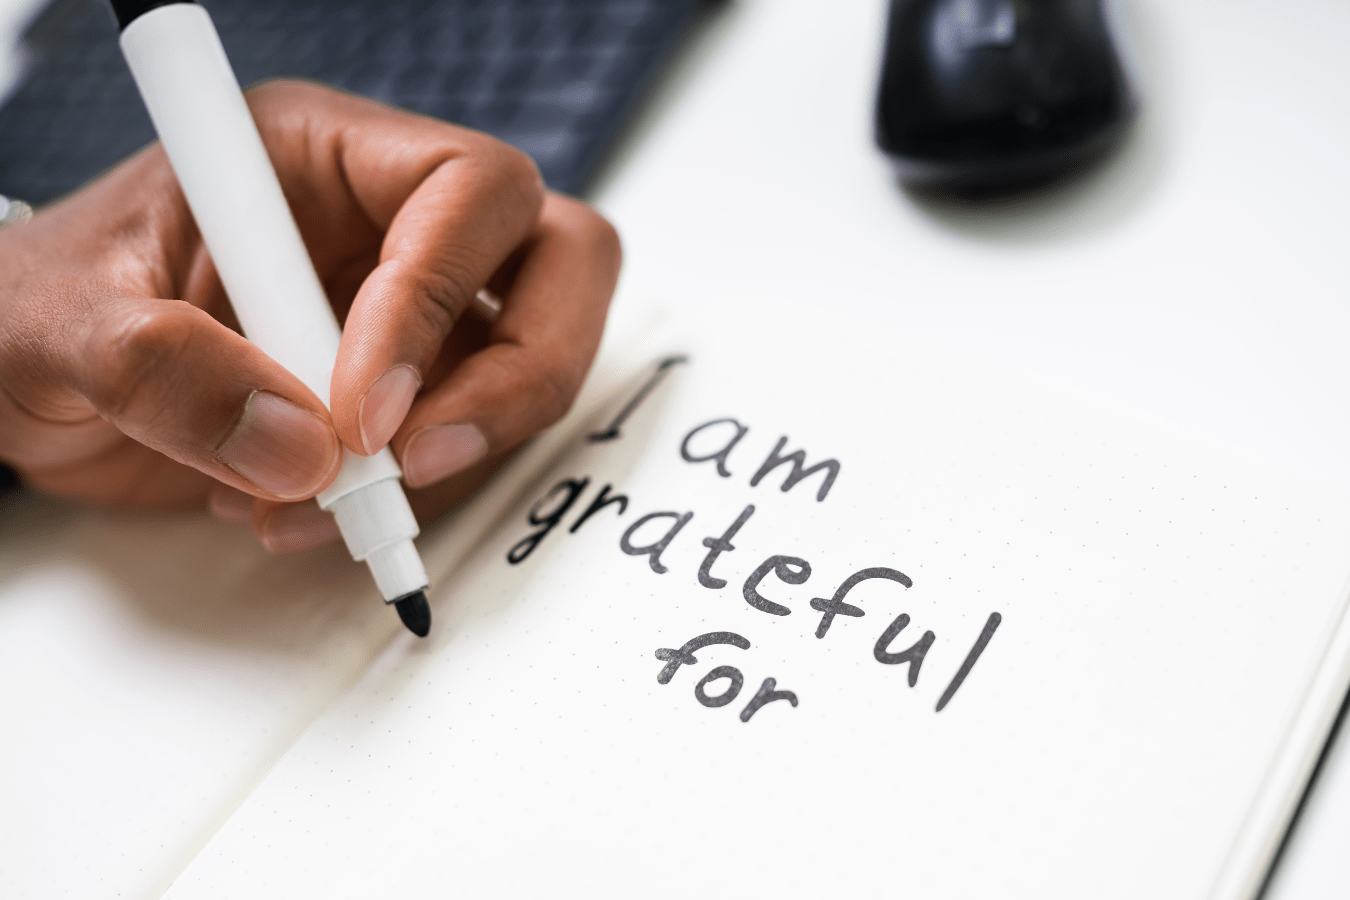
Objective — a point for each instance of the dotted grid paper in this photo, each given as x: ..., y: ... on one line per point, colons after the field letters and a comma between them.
x: 1159, y: 607
x: 154, y: 668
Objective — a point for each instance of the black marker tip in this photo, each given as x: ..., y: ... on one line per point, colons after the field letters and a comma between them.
x: 415, y: 613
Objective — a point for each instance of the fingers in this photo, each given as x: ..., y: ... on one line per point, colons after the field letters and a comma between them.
x: 454, y: 211
x: 230, y: 504
x: 169, y: 376
x: 418, y: 213
x: 538, y: 353
x: 452, y: 205
x: 539, y: 350
x: 84, y: 342
x: 281, y: 527
x: 456, y: 229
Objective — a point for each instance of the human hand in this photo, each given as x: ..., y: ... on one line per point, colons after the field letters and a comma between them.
x: 124, y: 381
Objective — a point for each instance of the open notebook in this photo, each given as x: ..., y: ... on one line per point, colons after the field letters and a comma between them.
x: 756, y: 619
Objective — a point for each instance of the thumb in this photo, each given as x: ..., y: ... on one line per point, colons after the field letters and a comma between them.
x: 171, y: 377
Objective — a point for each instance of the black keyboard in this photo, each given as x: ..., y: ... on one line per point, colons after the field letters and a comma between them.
x: 556, y: 78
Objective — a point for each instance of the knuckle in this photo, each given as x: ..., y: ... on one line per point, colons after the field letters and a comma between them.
x: 510, y: 170
x: 280, y: 90
x: 555, y: 388
x: 603, y: 238
x: 589, y: 230
x: 132, y: 365
x: 440, y: 294
x: 286, y: 105
x: 522, y: 170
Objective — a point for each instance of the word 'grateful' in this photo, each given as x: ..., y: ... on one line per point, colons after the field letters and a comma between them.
x: 652, y: 534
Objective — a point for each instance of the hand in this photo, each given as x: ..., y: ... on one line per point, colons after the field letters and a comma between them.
x: 124, y: 381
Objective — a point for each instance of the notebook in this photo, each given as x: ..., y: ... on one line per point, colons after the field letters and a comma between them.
x: 755, y: 619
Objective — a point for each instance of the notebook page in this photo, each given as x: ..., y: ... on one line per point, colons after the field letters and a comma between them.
x: 1017, y: 645
x: 153, y: 668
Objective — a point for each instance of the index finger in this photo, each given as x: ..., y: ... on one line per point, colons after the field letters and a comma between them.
x: 538, y: 353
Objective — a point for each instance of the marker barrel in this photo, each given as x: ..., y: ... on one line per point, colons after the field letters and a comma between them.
x: 205, y: 126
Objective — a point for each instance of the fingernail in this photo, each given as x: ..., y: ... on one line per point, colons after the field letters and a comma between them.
x: 441, y: 450
x: 281, y: 447
x: 230, y: 504
x: 386, y: 404
x: 298, y: 526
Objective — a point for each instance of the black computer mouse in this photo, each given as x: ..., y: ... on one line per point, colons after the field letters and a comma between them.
x: 996, y: 94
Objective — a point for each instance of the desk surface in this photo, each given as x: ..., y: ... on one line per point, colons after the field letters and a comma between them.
x: 1194, y: 279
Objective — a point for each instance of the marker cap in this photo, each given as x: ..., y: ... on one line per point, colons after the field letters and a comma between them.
x: 127, y: 11
x: 378, y: 527
x: 398, y: 570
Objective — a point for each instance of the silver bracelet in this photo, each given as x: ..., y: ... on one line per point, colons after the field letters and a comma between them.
x: 12, y: 212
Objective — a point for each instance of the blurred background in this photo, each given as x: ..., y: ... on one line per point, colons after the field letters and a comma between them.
x: 556, y: 78
x: 1193, y: 278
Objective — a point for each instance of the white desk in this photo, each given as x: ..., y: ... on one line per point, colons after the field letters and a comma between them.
x: 1196, y: 279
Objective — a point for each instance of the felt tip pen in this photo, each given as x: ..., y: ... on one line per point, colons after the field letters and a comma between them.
x: 195, y: 103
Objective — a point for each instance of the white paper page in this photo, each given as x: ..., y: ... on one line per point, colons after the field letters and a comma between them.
x: 153, y: 669
x: 1160, y: 605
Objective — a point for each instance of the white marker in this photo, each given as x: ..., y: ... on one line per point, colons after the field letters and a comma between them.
x: 213, y: 144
